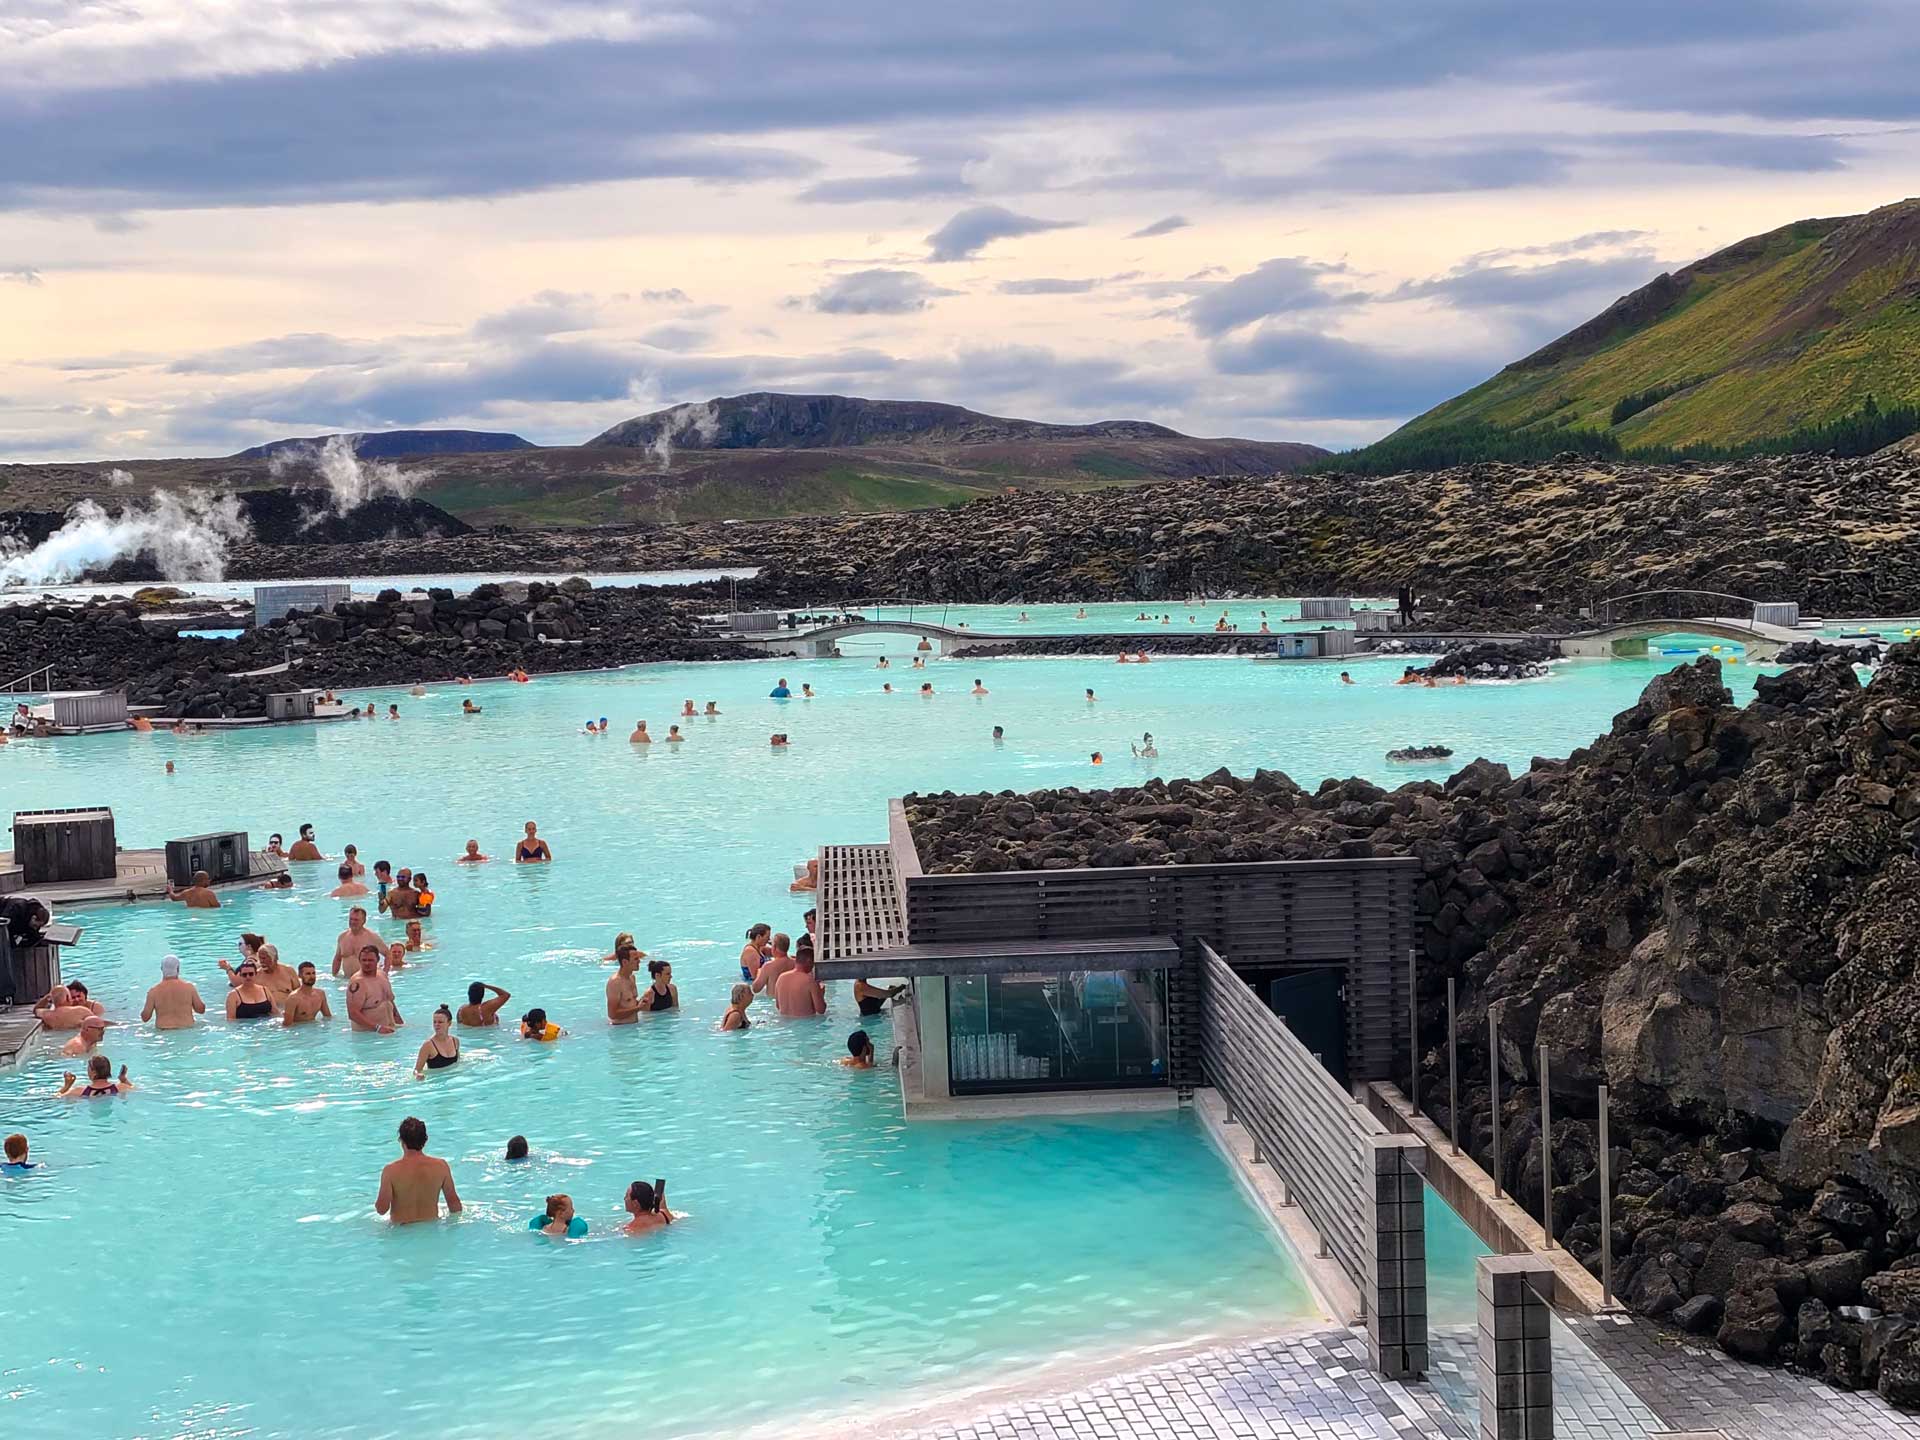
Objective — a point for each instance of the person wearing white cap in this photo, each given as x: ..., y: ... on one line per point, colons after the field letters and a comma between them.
x: 173, y: 1003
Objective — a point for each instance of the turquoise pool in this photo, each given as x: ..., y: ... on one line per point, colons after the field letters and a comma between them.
x: 202, y: 1258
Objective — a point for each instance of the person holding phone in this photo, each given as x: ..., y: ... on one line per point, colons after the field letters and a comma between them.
x: 647, y: 1204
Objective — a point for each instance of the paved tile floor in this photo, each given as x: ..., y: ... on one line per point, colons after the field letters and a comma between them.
x: 1612, y: 1381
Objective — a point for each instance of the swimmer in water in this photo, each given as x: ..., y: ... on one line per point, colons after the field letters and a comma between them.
x: 349, y: 888
x: 1140, y: 658
x: 169, y: 767
x: 558, y: 1220
x: 370, y: 998
x: 623, y: 991
x: 197, y: 896
x: 534, y: 1025
x: 442, y: 1048
x: 416, y: 938
x: 859, y: 1054
x: 810, y: 880
x: 806, y: 691
x: 532, y: 850
x: 886, y: 687
x: 1345, y: 678
x: 1081, y: 613
x: 883, y: 663
x: 396, y: 956
x: 100, y: 1082
x: 927, y: 689
x: 737, y: 1002
x: 780, y: 690
x: 978, y: 688
x: 472, y: 855
x: 756, y: 951
x: 1123, y: 658
x: 412, y: 1186
x: 393, y: 712
x: 686, y: 708
x: 92, y: 1031
x: 418, y: 690
x: 999, y: 734
x: 309, y: 1002
x: 516, y: 1149
x: 779, y: 741
x: 662, y: 995
x: 639, y: 735
x: 1145, y: 749
x: 304, y: 847
x: 674, y: 737
x: 1090, y: 695
x: 1097, y: 758
x: 647, y: 1207
x: 483, y: 1006
x: 467, y: 707
x: 712, y: 708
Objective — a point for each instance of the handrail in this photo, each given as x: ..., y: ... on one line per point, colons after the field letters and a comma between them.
x: 1311, y: 1131
x: 1605, y: 610
x: 23, y: 685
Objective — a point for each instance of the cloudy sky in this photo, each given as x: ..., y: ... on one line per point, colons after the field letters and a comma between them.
x: 223, y: 221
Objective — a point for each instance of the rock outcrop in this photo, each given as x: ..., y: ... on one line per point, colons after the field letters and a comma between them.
x: 1711, y: 909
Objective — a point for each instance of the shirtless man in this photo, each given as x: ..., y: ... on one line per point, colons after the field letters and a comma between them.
x: 859, y: 1054
x: 173, y: 1003
x: 349, y: 887
x: 411, y: 1187
x: 532, y: 850
x: 797, y: 993
x: 197, y: 896
x: 92, y: 1031
x: 276, y: 979
x: 309, y: 1002
x: 639, y: 735
x: 346, y: 948
x: 623, y: 995
x: 473, y: 855
x: 370, y: 998
x: 304, y: 848
x: 352, y: 855
x: 416, y: 938
x: 484, y: 1003
x: 777, y: 964
x: 59, y: 1010
x: 402, y: 902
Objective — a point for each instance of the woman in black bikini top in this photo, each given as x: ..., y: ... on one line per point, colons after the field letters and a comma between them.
x: 532, y: 849
x: 249, y: 999
x: 662, y: 994
x: 442, y: 1048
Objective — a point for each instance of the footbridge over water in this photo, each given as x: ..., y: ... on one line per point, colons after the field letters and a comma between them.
x: 1624, y: 623
x: 822, y: 639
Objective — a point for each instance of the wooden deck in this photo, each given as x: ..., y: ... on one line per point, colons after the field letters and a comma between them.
x: 17, y: 1031
x: 859, y: 902
x: 139, y: 875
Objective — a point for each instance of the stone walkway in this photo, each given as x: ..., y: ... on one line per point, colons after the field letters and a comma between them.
x: 1612, y: 1381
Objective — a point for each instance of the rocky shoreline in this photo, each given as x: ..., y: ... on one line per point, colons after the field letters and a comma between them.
x: 1512, y: 546
x: 1710, y: 909
x: 389, y: 640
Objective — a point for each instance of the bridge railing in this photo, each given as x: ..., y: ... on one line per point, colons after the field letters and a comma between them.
x: 1673, y: 605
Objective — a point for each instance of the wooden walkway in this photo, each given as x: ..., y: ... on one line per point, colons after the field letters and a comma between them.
x: 139, y: 875
x: 17, y: 1030
x: 860, y: 910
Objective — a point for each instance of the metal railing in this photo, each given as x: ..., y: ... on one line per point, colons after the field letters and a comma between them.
x: 25, y: 685
x: 1673, y: 605
x: 1314, y: 1134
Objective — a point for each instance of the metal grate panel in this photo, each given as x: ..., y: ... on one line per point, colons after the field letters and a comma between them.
x: 859, y: 902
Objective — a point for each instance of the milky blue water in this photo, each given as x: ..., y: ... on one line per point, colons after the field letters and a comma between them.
x: 203, y: 1256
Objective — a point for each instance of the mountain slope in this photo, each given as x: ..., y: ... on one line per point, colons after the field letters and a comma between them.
x: 1782, y: 332
x: 771, y: 420
x: 395, y: 444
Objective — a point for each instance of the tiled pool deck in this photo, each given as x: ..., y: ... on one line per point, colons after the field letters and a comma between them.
x: 1613, y: 1381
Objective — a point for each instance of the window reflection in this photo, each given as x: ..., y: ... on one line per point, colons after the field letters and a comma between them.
x: 1056, y: 1030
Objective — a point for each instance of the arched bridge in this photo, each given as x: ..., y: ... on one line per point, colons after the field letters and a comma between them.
x: 821, y: 639
x: 1760, y: 640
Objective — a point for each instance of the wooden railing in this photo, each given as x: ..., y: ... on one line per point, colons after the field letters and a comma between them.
x: 1314, y: 1134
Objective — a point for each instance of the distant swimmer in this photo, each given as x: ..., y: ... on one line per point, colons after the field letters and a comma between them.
x: 674, y: 737
x: 532, y: 850
x: 779, y: 740
x: 100, y: 1082
x: 1097, y: 760
x: 516, y: 1149
x: 173, y: 1003
x: 417, y: 938
x: 882, y: 664
x: 559, y: 1220
x: 639, y: 735
x: 859, y: 1054
x: 534, y: 1025
x: 1081, y: 613
x: 412, y: 1186
x: 1145, y: 749
x: 1023, y: 616
x: 472, y: 855
x: 304, y: 847
x: 978, y: 688
x: 918, y: 663
x: 623, y: 990
x: 1265, y: 629
x: 780, y: 691
x: 686, y: 709
x: 806, y: 691
x: 777, y: 963
x: 393, y: 712
x: 418, y: 690
x: 1140, y: 657
x: 809, y: 879
x: 925, y: 644
x: 169, y: 767
x: 999, y: 734
x: 395, y: 958
x: 662, y: 995
x: 1345, y: 678
x: 309, y: 1002
x: 16, y: 1162
x: 349, y: 887
x: 1407, y: 677
x: 886, y: 687
x: 713, y: 708
x: 1123, y: 658
x: 1091, y: 697
x: 197, y: 896
x: 442, y: 1048
x: 467, y: 707
x: 61, y: 1009
x: 274, y: 845
x: 647, y: 1207
x: 737, y: 1002
x: 370, y: 998
x: 484, y: 1003
x: 927, y: 689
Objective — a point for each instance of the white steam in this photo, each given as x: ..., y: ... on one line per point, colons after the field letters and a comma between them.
x: 701, y: 421
x: 119, y: 479
x: 187, y: 538
x: 351, y: 481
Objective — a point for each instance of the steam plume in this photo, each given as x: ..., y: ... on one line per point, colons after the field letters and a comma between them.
x: 187, y: 538
x: 703, y: 421
x: 350, y: 480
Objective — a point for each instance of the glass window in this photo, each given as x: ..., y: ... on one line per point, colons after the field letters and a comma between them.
x: 1056, y: 1030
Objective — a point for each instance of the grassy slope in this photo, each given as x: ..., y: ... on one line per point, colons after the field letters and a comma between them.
x: 1786, y: 339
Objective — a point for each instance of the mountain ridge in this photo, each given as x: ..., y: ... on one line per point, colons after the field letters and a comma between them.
x: 396, y: 444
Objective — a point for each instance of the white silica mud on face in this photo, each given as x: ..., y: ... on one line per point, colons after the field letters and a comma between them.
x: 832, y: 1256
